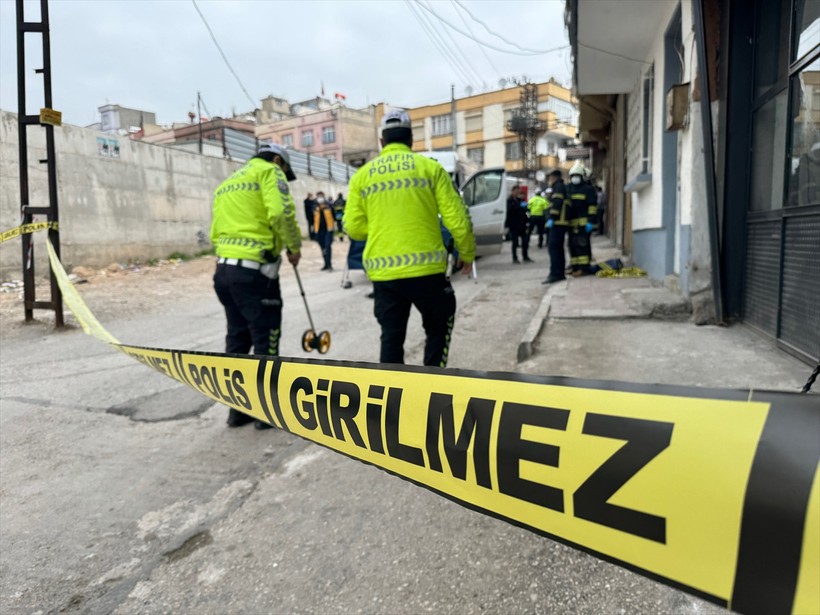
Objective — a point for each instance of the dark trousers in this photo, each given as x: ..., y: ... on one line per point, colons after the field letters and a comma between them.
x: 556, y: 247
x: 580, y: 250
x: 522, y: 236
x: 325, y: 240
x: 253, y: 307
x: 537, y: 224
x: 434, y: 298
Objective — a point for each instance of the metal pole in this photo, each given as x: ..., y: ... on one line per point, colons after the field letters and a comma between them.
x: 51, y: 161
x: 199, y: 119
x: 709, y: 162
x: 453, y: 112
x: 28, y: 270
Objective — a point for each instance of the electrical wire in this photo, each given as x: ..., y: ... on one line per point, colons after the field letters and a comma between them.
x: 441, y: 49
x: 488, y: 45
x: 481, y: 48
x: 453, y: 49
x: 612, y: 53
x: 456, y: 48
x: 496, y: 34
x: 222, y: 53
x: 204, y: 106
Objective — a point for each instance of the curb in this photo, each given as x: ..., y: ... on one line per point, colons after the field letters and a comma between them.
x: 526, y: 347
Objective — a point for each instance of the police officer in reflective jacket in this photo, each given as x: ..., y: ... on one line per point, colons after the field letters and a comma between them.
x: 253, y: 221
x: 394, y: 204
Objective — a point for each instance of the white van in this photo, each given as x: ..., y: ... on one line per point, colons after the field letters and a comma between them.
x: 485, y: 193
x: 458, y: 168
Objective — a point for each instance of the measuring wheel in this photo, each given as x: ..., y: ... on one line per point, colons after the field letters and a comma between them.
x: 309, y: 340
x: 323, y: 342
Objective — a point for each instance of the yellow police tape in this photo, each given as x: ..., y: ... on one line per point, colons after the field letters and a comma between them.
x: 25, y: 229
x: 711, y: 491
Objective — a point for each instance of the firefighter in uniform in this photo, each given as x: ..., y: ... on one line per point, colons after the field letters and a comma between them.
x: 394, y: 204
x: 253, y: 221
x: 584, y: 209
x: 557, y: 225
x: 538, y: 207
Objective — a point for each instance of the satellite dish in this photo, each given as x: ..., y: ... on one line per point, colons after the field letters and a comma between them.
x: 469, y: 90
x: 502, y: 83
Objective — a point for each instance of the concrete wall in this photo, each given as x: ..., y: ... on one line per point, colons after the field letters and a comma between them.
x: 149, y: 202
x: 664, y: 223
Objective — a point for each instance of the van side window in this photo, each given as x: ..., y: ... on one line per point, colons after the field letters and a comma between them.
x: 483, y: 188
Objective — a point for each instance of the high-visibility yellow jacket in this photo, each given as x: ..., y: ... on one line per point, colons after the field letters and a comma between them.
x: 253, y: 213
x: 537, y: 205
x: 394, y: 203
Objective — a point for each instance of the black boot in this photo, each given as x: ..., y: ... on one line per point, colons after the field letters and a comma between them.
x: 237, y: 419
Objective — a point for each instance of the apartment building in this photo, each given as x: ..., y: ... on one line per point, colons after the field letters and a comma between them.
x: 332, y: 131
x: 706, y: 115
x: 480, y: 132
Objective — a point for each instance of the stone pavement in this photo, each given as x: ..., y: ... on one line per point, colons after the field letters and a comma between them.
x: 637, y: 330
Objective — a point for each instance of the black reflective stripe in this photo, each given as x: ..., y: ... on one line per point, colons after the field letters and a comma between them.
x: 774, y: 511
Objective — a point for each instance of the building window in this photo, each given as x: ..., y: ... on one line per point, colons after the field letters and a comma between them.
x: 307, y: 138
x: 473, y: 123
x: 648, y: 107
x: 476, y: 154
x: 512, y: 151
x: 565, y: 112
x: 287, y: 140
x: 804, y: 150
x: 640, y: 124
x: 329, y: 134
x: 442, y: 125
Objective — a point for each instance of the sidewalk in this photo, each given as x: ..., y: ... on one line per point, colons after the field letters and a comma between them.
x: 635, y: 329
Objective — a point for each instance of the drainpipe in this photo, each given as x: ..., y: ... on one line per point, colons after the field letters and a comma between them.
x: 709, y: 166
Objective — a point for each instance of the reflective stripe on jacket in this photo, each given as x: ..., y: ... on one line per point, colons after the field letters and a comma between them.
x: 394, y: 204
x: 559, y: 204
x: 325, y: 211
x: 584, y: 204
x: 253, y: 213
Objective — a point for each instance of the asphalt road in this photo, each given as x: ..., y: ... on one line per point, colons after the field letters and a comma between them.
x: 123, y: 492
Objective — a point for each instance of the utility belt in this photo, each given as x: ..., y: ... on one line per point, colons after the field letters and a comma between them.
x: 269, y: 270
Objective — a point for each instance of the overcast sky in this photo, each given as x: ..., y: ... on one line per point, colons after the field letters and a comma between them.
x: 155, y: 55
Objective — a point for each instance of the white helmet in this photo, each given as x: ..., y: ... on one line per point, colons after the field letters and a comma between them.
x: 579, y: 169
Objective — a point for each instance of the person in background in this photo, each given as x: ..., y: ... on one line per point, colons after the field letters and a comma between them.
x: 254, y: 219
x: 517, y: 221
x: 584, y: 208
x: 310, y: 205
x: 338, y: 214
x: 602, y: 198
x: 323, y: 226
x: 394, y: 203
x: 557, y: 225
x: 537, y: 206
